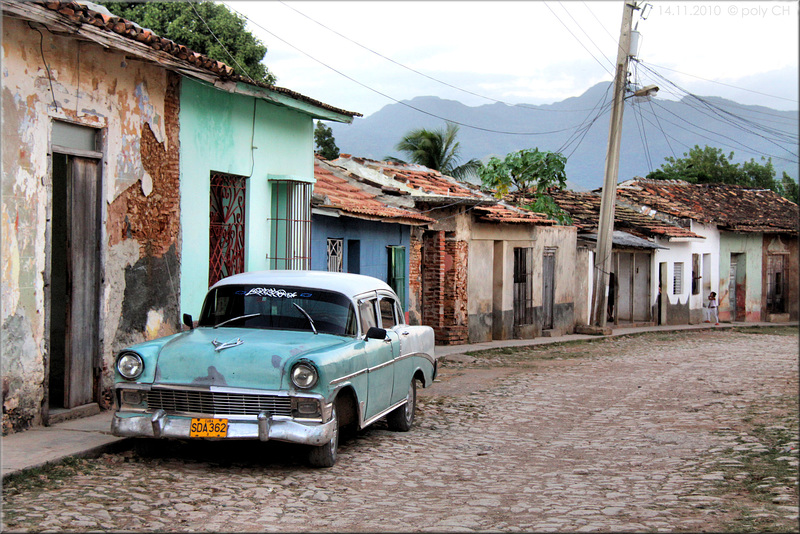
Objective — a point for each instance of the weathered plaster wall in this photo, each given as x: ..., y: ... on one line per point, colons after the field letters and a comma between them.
x: 374, y: 237
x: 282, y: 142
x: 787, y: 247
x: 124, y: 100
x: 749, y: 246
x: 685, y: 307
x: 491, y: 300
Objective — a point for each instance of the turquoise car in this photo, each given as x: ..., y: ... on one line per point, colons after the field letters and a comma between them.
x: 292, y: 356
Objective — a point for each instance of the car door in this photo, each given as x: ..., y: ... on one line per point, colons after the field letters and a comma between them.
x: 380, y: 355
x: 392, y: 321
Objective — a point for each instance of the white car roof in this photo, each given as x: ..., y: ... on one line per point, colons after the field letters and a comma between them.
x: 345, y: 283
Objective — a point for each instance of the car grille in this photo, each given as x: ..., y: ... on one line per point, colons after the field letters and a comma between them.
x: 217, y: 403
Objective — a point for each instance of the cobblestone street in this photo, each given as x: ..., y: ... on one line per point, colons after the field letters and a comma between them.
x: 660, y: 432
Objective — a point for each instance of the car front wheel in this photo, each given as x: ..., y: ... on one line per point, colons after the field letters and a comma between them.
x: 325, y: 455
x: 402, y: 418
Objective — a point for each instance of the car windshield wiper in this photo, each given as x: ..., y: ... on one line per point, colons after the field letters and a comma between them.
x: 310, y: 320
x: 236, y: 319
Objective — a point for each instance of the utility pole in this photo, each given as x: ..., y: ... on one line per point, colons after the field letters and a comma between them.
x: 602, y: 259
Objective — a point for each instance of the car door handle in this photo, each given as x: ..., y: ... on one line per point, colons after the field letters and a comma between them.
x: 406, y: 333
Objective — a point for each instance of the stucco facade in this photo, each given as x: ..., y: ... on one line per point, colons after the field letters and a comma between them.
x: 247, y: 137
x: 491, y: 298
x: 126, y: 110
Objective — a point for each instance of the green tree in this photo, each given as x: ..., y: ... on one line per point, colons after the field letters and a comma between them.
x: 193, y: 23
x: 531, y: 172
x: 789, y: 188
x: 326, y: 144
x: 438, y: 150
x: 710, y: 165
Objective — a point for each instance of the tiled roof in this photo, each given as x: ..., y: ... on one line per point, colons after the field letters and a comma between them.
x: 422, y: 179
x: 584, y: 208
x: 730, y: 207
x: 78, y: 13
x: 430, y: 186
x: 334, y: 191
x: 510, y: 214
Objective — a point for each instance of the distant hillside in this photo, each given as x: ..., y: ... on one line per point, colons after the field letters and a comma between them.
x: 667, y: 128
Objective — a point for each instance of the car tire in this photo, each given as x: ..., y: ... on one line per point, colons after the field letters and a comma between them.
x: 325, y: 455
x: 401, y: 419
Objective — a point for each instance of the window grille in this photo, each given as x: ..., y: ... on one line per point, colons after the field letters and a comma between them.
x: 290, y: 225
x: 677, y: 279
x: 335, y: 255
x: 227, y: 231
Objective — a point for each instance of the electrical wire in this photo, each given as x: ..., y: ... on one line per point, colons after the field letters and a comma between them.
x: 220, y: 43
x: 722, y: 83
x: 46, y: 66
x: 610, y: 62
x: 467, y: 91
x: 610, y: 72
x: 737, y: 121
x: 406, y: 104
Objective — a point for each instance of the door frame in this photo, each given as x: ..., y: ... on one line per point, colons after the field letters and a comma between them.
x: 97, y: 157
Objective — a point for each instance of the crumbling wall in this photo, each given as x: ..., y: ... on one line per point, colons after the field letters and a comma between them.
x: 134, y: 106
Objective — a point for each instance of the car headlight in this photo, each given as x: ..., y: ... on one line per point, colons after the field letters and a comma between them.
x: 304, y: 376
x: 130, y: 365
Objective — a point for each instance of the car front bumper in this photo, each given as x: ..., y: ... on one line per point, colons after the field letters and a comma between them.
x: 264, y: 428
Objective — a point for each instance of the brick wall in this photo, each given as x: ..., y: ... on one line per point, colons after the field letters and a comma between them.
x: 444, y: 287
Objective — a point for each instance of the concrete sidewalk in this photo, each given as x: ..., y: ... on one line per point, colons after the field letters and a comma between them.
x: 91, y: 436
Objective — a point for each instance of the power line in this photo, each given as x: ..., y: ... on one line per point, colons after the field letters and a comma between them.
x: 579, y: 41
x: 721, y: 83
x: 472, y: 126
x: 415, y: 71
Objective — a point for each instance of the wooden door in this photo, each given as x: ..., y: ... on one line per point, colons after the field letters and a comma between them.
x: 83, y: 280
x: 548, y: 288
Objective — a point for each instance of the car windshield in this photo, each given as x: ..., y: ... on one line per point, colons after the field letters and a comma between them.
x: 271, y: 307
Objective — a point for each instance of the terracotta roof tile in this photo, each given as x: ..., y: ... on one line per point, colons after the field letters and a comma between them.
x: 730, y: 207
x: 432, y: 186
x: 332, y: 191
x: 584, y: 208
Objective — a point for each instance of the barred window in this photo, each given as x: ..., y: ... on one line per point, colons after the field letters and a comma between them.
x: 335, y: 255
x: 290, y: 225
x: 677, y: 279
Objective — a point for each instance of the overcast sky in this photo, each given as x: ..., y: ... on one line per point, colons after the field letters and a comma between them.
x: 531, y: 52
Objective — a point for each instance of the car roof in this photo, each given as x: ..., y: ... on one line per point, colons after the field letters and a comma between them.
x: 345, y: 283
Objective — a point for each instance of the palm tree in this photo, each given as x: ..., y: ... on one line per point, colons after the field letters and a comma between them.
x: 438, y: 150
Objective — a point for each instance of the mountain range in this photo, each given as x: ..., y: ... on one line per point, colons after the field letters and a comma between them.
x: 578, y: 128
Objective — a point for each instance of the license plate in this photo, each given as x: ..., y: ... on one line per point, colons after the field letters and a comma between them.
x: 208, y: 428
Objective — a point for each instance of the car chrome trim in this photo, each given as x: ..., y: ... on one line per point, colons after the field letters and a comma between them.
x: 342, y: 379
x: 383, y: 413
x: 274, y: 428
x: 219, y: 345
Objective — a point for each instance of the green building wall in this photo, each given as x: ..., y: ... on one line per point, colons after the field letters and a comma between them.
x: 218, y: 129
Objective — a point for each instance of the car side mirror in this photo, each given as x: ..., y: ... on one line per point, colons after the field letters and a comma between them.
x: 187, y: 320
x: 376, y: 333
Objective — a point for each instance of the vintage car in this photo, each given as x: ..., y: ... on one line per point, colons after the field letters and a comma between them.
x: 291, y: 356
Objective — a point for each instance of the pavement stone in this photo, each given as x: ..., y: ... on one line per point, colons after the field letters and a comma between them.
x: 522, y: 453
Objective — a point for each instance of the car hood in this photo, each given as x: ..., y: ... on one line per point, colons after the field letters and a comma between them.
x: 237, y: 357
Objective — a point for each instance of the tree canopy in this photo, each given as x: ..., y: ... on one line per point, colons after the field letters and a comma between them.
x: 531, y: 172
x: 710, y: 165
x: 527, y: 170
x: 205, y: 27
x: 438, y: 150
x: 326, y: 144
